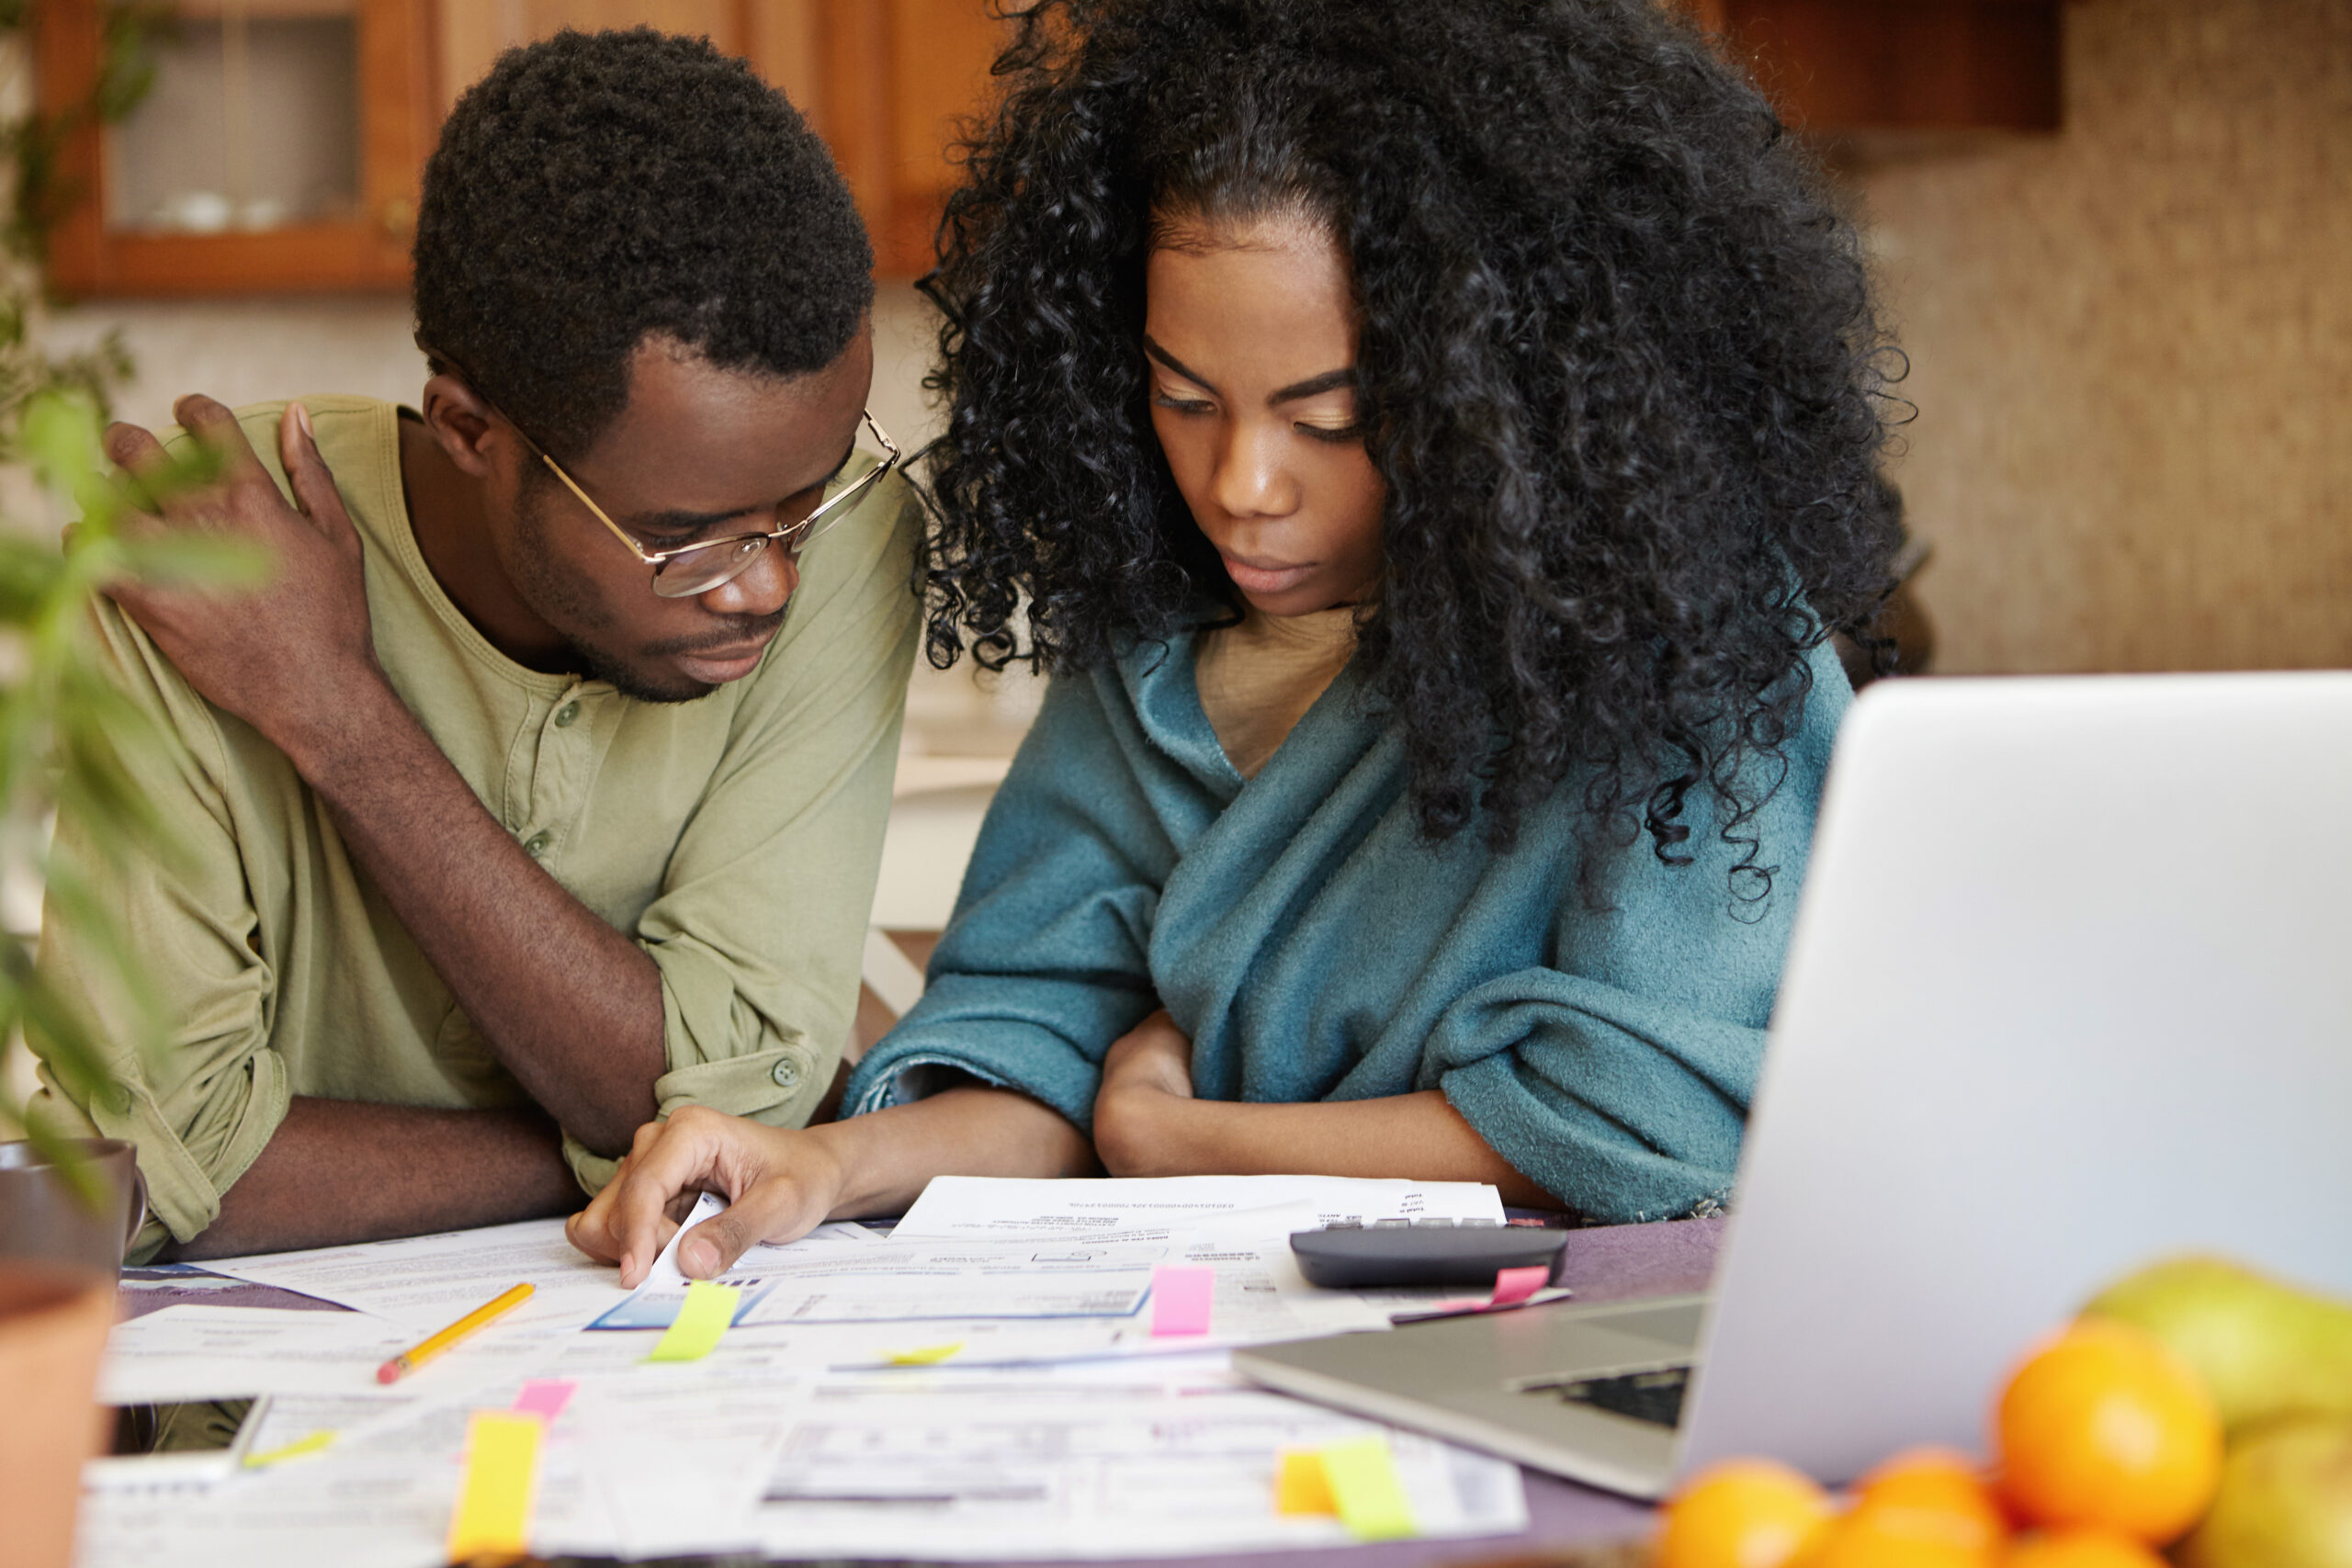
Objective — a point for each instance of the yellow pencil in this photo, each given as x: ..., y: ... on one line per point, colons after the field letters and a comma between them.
x: 402, y: 1365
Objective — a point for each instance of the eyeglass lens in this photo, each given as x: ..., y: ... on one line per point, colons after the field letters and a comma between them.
x: 706, y: 570
x: 699, y: 571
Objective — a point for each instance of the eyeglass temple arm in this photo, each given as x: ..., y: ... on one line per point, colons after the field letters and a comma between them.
x: 622, y: 533
x: 618, y: 531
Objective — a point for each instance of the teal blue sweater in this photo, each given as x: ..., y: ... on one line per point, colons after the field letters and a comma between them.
x: 1315, y: 947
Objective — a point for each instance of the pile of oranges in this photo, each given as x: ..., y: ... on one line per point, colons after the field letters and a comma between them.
x: 2107, y: 1448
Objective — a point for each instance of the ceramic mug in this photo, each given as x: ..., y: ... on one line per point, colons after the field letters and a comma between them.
x: 44, y: 1218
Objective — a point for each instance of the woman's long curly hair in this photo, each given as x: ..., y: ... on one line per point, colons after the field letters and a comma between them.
x: 1616, y: 363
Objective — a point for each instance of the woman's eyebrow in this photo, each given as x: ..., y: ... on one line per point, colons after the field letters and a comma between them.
x: 1177, y: 365
x: 1314, y: 386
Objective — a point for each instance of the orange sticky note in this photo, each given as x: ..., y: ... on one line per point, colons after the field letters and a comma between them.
x: 1300, y: 1486
x: 501, y: 1486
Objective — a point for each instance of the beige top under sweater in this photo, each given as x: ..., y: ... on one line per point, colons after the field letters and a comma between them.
x: 1257, y: 679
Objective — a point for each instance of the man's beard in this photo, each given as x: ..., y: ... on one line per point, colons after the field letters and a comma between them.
x: 629, y: 681
x: 558, y: 601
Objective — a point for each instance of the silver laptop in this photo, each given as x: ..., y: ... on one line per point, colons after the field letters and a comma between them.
x: 2071, y: 989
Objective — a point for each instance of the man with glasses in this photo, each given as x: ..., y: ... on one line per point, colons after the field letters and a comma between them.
x: 539, y: 792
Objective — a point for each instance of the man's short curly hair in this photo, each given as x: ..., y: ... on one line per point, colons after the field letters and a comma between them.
x: 597, y: 188
x: 1617, y: 362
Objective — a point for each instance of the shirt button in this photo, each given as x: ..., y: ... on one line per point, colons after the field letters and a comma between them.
x: 787, y: 1073
x: 536, y: 845
x: 565, y: 714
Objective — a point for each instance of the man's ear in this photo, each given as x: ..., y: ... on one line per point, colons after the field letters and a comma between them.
x: 476, y: 440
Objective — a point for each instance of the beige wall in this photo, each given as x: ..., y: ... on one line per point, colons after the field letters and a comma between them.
x: 244, y: 350
x: 2132, y: 350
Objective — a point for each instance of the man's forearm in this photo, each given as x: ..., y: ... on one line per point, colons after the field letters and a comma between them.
x: 784, y: 1181
x: 338, y: 1171
x: 569, y: 1005
x: 1418, y: 1136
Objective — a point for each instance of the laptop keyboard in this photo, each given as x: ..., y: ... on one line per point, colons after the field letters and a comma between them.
x: 1655, y: 1396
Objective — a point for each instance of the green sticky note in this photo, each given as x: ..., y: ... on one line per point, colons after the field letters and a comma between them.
x: 708, y: 1308
x: 1363, y: 1485
x: 317, y: 1443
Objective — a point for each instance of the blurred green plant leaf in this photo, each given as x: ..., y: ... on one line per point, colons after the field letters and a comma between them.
x: 183, y: 561
x: 72, y: 741
x: 66, y: 733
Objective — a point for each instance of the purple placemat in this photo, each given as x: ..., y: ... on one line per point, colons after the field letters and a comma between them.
x: 1620, y: 1263
x: 151, y: 1287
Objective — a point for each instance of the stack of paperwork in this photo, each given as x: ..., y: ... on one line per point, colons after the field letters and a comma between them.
x: 981, y: 1381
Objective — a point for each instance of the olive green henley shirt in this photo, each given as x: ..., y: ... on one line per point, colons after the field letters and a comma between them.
x: 736, y: 838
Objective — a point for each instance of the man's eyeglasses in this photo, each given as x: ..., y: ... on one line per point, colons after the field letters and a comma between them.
x: 690, y: 570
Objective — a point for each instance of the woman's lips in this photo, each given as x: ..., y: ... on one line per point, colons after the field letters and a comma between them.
x: 1264, y: 577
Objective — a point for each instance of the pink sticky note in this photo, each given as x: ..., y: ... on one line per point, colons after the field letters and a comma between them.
x: 1180, y: 1301
x: 545, y: 1398
x: 1512, y: 1285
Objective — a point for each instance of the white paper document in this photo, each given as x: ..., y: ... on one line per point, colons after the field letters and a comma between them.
x: 660, y: 1461
x: 983, y: 1383
x: 665, y: 1278
x: 427, y: 1282
x: 981, y: 1206
x: 1146, y: 1462
x: 208, y: 1352
x: 1018, y: 1270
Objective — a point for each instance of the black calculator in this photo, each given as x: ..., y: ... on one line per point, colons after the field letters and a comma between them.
x: 1354, y: 1255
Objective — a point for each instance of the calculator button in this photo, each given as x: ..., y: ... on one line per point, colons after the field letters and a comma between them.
x: 1390, y: 1224
x: 1433, y: 1225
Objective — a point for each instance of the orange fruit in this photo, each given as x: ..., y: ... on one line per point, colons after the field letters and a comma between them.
x: 1940, y: 1482
x: 2080, y: 1549
x: 1897, y: 1535
x: 2105, y: 1426
x: 1745, y: 1513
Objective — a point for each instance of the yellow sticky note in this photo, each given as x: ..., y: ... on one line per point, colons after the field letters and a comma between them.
x: 500, y: 1486
x: 929, y: 1356
x: 708, y: 1308
x: 1364, y: 1483
x: 1302, y: 1487
x: 298, y: 1448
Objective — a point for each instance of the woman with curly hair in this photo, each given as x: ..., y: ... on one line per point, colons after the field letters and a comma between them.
x: 1431, y: 447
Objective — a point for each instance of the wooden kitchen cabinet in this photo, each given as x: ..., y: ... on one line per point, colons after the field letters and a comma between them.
x: 1841, y: 67
x: 312, y: 183
x: 278, y: 150
x: 298, y: 129
x: 884, y: 82
x: 901, y: 76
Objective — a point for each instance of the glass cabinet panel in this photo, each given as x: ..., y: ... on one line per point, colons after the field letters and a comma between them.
x: 254, y: 122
